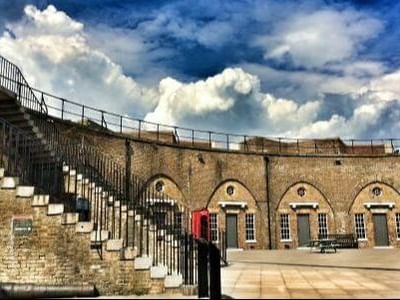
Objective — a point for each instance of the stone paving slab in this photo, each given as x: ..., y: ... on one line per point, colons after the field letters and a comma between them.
x: 347, y: 258
x: 361, y: 274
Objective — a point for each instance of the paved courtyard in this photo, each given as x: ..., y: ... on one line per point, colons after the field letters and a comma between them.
x: 370, y: 273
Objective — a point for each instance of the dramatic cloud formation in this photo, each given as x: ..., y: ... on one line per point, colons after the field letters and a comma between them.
x: 313, y: 40
x: 310, y: 80
x: 53, y: 52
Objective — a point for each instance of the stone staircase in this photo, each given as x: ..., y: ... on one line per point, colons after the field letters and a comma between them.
x: 54, y: 174
x: 153, y: 279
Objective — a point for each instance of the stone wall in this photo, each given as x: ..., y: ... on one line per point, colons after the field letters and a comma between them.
x: 198, y: 173
x: 58, y: 255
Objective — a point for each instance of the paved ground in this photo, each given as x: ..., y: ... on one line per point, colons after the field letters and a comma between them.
x: 371, y: 273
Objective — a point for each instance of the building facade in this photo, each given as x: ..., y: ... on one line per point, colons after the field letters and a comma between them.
x: 268, y: 201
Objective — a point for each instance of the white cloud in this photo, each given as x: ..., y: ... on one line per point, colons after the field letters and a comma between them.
x: 219, y: 93
x: 226, y: 93
x: 57, y: 54
x: 53, y: 52
x: 317, y: 38
x: 385, y: 88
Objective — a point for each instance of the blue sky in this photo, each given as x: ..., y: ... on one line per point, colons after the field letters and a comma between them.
x: 288, y: 68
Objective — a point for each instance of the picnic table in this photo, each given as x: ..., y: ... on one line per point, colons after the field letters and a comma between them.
x: 323, y: 245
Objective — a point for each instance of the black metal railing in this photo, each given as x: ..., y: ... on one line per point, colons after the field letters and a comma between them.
x: 119, y: 204
x: 127, y: 210
x: 208, y: 139
x: 11, y: 78
x: 342, y: 240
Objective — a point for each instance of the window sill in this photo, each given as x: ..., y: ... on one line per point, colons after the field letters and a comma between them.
x: 251, y: 241
x: 285, y: 241
x: 362, y: 240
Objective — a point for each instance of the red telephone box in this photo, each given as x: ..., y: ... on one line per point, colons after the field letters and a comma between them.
x: 201, y: 224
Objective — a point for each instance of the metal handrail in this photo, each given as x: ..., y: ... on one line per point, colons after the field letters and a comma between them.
x: 40, y: 160
x: 13, y: 80
x: 197, y: 138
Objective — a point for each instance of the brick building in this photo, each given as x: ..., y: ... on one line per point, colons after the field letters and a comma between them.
x: 268, y: 200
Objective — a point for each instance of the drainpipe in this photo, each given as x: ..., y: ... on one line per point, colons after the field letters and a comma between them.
x: 266, y: 161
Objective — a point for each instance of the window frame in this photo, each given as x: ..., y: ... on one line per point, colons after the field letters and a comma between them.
x: 397, y: 220
x: 363, y: 226
x: 212, y: 229
x: 289, y: 239
x: 253, y: 227
x: 325, y: 222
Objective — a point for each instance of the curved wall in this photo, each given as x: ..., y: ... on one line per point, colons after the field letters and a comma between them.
x: 199, y: 173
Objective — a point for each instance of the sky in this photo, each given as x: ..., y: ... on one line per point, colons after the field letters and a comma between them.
x: 312, y: 69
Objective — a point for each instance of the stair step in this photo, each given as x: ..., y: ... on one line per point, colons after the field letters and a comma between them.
x: 84, y: 227
x: 99, y: 236
x: 40, y: 200
x: 129, y: 253
x: 55, y: 209
x: 10, y: 112
x: 18, y: 117
x: 143, y: 263
x: 4, y: 101
x: 25, y: 191
x: 9, y: 182
x: 114, y: 245
x: 158, y: 272
x: 69, y: 218
x: 173, y: 281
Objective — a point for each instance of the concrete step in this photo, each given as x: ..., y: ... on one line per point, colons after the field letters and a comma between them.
x: 54, y: 209
x: 9, y: 182
x: 84, y: 227
x: 40, y: 200
x: 173, y: 281
x: 65, y: 169
x: 25, y: 191
x: 99, y: 236
x: 18, y: 117
x: 158, y: 272
x: 22, y: 123
x: 114, y: 245
x: 9, y: 112
x: 143, y: 263
x: 69, y: 218
x: 129, y: 253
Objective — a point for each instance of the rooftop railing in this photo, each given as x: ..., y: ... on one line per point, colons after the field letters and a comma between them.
x: 137, y: 128
x: 12, y: 79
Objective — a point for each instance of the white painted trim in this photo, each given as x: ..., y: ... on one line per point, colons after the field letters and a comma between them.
x: 232, y: 203
x: 254, y: 227
x: 251, y: 241
x: 286, y: 241
x: 158, y: 200
x: 295, y: 205
x: 280, y: 227
x: 370, y: 205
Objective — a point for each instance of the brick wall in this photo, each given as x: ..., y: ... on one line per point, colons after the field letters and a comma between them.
x: 199, y: 173
x: 55, y: 254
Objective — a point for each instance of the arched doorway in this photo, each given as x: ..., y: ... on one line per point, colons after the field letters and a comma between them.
x: 303, y: 214
x: 168, y: 203
x: 375, y: 214
x: 234, y: 211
